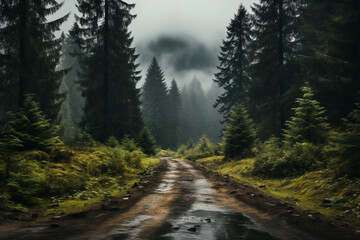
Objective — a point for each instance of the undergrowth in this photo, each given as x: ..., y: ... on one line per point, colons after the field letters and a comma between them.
x: 68, y: 178
x: 324, y: 191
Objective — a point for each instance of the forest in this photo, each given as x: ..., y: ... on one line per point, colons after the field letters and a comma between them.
x: 80, y: 122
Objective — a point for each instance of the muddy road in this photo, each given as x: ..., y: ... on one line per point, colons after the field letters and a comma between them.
x: 183, y: 202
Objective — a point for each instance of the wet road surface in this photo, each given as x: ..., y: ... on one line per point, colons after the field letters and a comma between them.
x: 184, y: 205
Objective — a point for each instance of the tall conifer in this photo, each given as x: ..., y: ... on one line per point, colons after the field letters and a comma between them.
x: 109, y: 73
x: 29, y: 54
x: 155, y: 104
x: 233, y: 62
x: 175, y: 106
x: 309, y: 123
x: 273, y: 70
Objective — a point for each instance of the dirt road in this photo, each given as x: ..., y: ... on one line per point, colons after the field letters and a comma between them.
x: 182, y: 203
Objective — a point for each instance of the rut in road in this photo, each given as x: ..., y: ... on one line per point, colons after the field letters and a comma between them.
x: 185, y: 206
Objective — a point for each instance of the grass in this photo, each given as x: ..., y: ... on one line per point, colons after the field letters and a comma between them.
x: 69, y: 180
x: 307, y: 191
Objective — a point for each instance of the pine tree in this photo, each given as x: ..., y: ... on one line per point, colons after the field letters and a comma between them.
x: 346, y: 144
x: 146, y: 142
x: 155, y: 104
x: 309, y: 121
x: 109, y: 73
x: 68, y: 61
x: 194, y: 118
x: 29, y: 54
x: 175, y: 105
x: 273, y: 71
x: 333, y: 64
x: 233, y: 62
x: 29, y: 129
x: 239, y: 134
x: 215, y: 119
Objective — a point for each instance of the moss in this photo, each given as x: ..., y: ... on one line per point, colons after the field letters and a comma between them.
x: 75, y: 180
x: 307, y: 191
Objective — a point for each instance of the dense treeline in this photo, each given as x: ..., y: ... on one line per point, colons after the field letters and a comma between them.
x: 175, y: 117
x: 79, y: 90
x: 294, y: 67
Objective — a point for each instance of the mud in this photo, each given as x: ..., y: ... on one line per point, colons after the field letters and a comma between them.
x: 187, y: 202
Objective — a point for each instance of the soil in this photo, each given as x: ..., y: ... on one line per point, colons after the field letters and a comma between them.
x: 183, y: 201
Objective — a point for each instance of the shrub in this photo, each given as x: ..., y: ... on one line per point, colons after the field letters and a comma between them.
x: 25, y: 188
x: 239, y: 134
x: 146, y: 142
x: 204, y: 148
x: 30, y: 129
x: 274, y: 161
x: 112, y: 142
x: 85, y: 140
x: 128, y: 144
x: 345, y: 146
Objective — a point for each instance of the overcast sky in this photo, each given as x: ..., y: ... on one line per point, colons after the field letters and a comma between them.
x: 184, y: 35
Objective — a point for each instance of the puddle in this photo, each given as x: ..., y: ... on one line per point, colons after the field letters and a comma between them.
x: 213, y: 222
x: 126, y: 231
x: 22, y: 231
x: 164, y: 187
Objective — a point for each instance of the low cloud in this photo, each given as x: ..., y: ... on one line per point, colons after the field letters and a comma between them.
x: 181, y: 58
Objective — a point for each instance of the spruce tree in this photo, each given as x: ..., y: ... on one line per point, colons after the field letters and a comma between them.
x: 175, y: 106
x: 29, y: 129
x: 239, y: 134
x: 29, y: 54
x: 68, y: 61
x: 233, y: 62
x: 194, y: 118
x: 346, y: 144
x: 155, y: 104
x: 309, y: 121
x: 108, y: 70
x: 273, y: 70
x: 215, y: 119
x: 333, y: 64
x: 146, y: 142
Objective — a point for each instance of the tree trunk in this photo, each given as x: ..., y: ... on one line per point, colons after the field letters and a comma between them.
x: 281, y: 63
x: 106, y: 70
x: 22, y: 50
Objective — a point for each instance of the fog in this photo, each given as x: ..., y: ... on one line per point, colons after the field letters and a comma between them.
x: 185, y: 36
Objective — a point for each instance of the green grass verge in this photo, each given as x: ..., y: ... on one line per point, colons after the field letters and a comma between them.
x: 307, y: 191
x: 68, y: 180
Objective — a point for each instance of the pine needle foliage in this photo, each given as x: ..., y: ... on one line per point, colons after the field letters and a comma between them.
x: 346, y: 144
x: 146, y: 142
x: 30, y: 53
x: 239, y: 134
x: 309, y: 123
x: 29, y: 129
x: 155, y: 104
x: 233, y: 61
